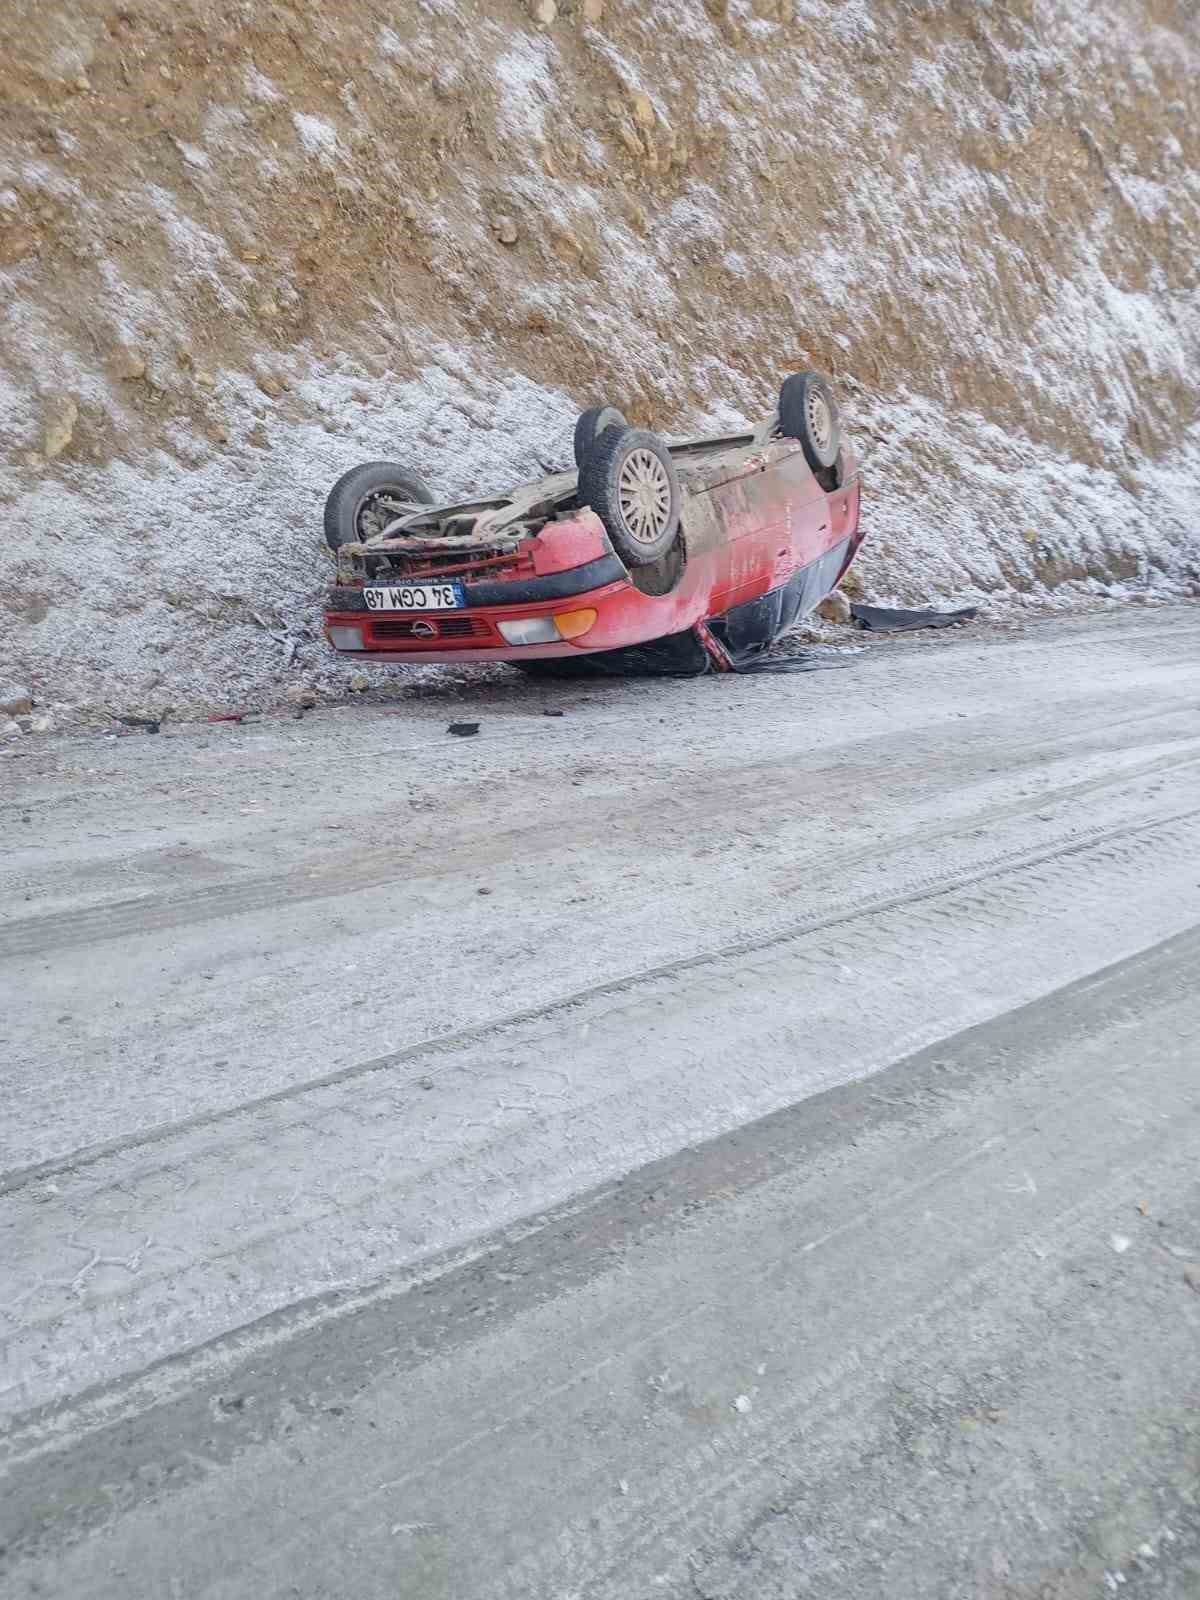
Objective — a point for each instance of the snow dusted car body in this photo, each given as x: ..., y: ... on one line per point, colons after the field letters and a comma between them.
x: 676, y: 556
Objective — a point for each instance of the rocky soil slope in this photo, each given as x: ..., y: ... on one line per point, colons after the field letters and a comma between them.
x: 243, y: 247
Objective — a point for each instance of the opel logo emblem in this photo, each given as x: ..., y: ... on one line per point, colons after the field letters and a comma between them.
x: 425, y: 630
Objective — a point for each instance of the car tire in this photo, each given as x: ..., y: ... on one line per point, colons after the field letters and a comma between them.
x: 592, y: 423
x: 808, y: 412
x: 630, y: 482
x: 351, y: 509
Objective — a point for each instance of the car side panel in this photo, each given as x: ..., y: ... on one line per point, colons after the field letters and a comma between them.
x: 777, y: 520
x: 746, y: 629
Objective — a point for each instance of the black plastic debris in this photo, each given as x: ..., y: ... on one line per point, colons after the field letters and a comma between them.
x: 464, y: 730
x: 885, y: 619
x: 147, y: 724
x: 804, y: 661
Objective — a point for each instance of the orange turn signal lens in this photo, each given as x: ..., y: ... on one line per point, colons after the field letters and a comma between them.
x: 573, y: 624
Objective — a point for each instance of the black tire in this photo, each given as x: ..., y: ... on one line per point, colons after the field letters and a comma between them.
x: 808, y: 412
x: 349, y: 512
x: 630, y: 482
x: 590, y: 426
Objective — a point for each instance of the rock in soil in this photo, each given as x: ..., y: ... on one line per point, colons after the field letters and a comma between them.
x: 14, y: 699
x: 644, y: 113
x: 60, y: 427
x: 835, y: 608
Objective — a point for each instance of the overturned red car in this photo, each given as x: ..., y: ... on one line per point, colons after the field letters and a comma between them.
x: 676, y: 557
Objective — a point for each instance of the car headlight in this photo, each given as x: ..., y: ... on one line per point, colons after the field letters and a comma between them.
x: 344, y: 637
x: 529, y: 630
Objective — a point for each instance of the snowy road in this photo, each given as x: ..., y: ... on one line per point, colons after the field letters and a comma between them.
x: 737, y: 1137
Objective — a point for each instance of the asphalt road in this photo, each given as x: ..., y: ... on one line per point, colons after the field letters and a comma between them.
x: 737, y: 1138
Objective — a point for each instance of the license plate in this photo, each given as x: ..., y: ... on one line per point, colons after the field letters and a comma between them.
x: 413, y: 596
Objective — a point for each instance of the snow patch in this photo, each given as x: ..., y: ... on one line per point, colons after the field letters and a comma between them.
x: 527, y: 88
x: 318, y: 137
x: 259, y: 87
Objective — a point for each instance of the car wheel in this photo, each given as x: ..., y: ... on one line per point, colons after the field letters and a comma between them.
x: 630, y: 482
x: 363, y: 501
x: 592, y: 423
x: 808, y: 412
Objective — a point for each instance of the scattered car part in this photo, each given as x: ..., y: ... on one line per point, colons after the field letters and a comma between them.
x: 886, y: 619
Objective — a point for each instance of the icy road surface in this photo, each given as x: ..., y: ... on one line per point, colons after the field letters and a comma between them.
x: 740, y: 1138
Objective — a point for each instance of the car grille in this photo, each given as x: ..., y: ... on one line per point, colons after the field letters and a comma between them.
x: 416, y: 629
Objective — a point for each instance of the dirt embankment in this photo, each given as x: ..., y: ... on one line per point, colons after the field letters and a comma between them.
x: 242, y: 248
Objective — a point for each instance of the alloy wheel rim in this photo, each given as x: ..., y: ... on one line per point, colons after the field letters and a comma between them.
x: 644, y: 495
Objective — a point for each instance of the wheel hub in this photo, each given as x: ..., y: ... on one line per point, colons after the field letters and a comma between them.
x: 644, y: 495
x: 820, y: 421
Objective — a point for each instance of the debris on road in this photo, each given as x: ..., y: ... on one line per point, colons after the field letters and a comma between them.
x: 888, y: 619
x: 302, y: 696
x: 280, y: 636
x: 147, y: 724
x: 464, y: 730
x: 26, y: 722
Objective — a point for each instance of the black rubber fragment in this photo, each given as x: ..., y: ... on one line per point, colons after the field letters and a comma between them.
x: 886, y: 619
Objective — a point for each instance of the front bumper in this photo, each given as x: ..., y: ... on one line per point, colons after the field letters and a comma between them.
x: 568, y: 585
x: 472, y: 633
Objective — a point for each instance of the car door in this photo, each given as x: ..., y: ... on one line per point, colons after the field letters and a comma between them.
x: 775, y: 519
